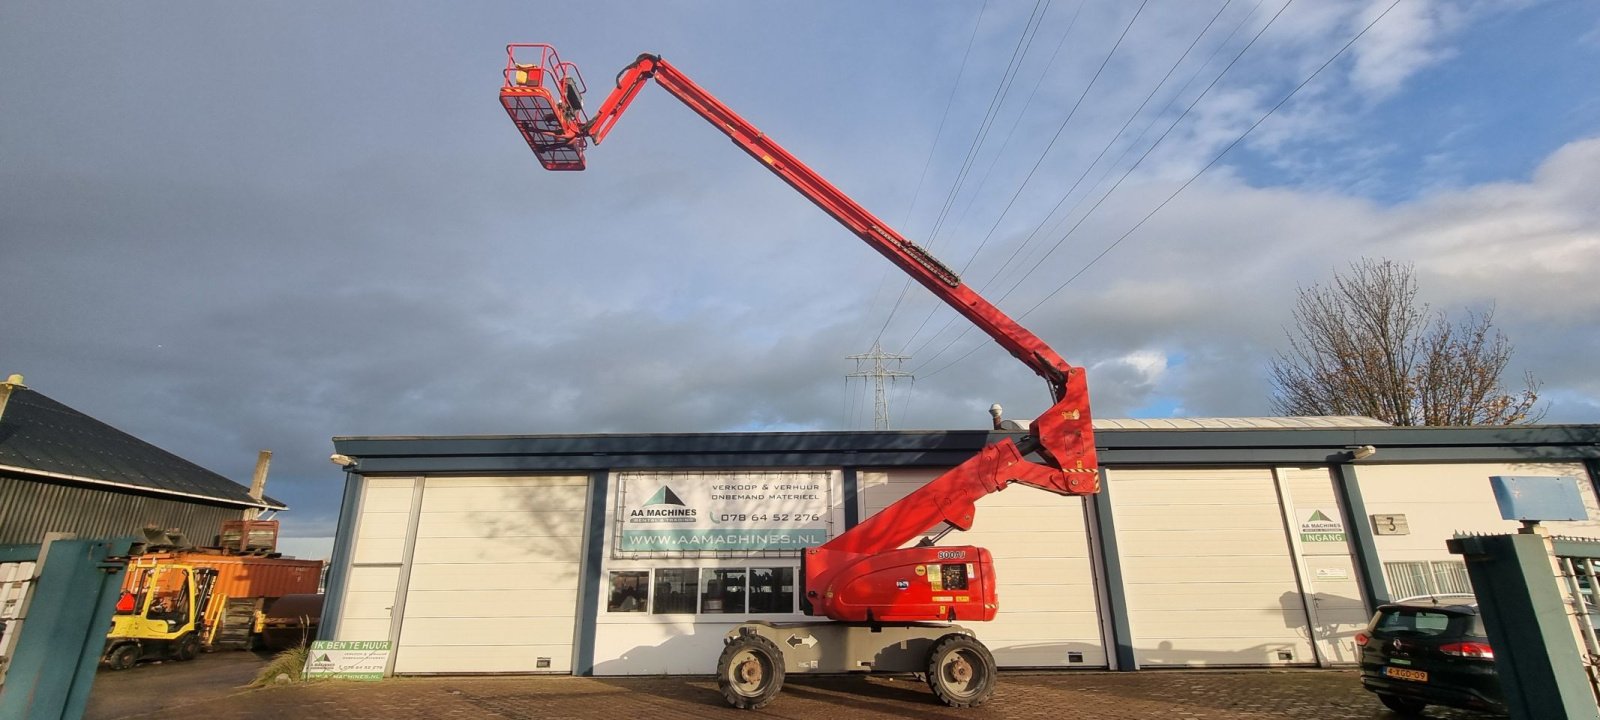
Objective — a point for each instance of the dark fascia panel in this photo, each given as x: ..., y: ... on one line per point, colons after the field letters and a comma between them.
x: 664, y: 443
x: 377, y: 455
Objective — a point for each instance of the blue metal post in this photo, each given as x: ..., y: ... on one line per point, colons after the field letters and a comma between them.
x: 1535, y: 652
x: 53, y: 669
x: 344, y: 541
x: 593, y: 582
x: 1373, y: 583
x: 1116, y: 592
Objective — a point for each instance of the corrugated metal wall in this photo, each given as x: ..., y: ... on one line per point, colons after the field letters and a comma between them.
x: 29, y: 509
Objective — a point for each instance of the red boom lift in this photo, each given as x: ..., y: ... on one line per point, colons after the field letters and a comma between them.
x: 888, y: 606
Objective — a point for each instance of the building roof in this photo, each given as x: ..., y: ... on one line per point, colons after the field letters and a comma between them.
x: 42, y: 437
x: 1225, y: 423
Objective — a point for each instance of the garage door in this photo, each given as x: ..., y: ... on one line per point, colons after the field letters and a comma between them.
x: 380, y: 542
x: 493, y: 583
x: 1048, y: 613
x: 1207, y: 568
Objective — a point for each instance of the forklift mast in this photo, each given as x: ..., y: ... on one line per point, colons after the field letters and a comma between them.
x: 859, y: 575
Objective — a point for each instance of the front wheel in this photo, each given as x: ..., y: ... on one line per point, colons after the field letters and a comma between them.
x: 961, y: 671
x: 750, y: 672
x: 188, y: 647
x: 122, y: 656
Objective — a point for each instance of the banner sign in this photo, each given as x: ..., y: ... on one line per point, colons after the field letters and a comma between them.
x: 1321, y: 526
x: 740, y: 511
x: 347, y: 659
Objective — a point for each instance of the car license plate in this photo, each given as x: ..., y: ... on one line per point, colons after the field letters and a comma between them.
x: 1406, y: 674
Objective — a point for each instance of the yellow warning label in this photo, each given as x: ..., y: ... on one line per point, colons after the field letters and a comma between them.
x: 921, y: 571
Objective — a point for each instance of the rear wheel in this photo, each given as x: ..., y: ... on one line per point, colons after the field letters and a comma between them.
x: 1402, y: 705
x: 122, y: 656
x: 750, y: 672
x: 187, y: 647
x: 961, y: 671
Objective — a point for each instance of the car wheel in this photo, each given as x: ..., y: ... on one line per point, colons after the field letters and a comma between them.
x: 961, y: 671
x: 122, y: 656
x: 1404, y: 706
x: 750, y: 672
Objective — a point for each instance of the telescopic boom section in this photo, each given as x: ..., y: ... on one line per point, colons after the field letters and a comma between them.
x: 838, y: 572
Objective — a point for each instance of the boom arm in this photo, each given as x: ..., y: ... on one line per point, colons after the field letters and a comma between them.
x: 918, y: 263
x: 553, y: 125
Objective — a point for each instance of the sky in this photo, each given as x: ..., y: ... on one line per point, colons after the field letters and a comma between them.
x: 228, y: 227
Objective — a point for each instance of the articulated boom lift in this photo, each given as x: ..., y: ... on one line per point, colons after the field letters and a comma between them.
x: 889, y: 604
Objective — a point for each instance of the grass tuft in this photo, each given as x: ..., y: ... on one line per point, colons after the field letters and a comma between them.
x: 291, y: 662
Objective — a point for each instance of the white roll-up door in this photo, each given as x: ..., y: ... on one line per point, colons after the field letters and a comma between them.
x: 1048, y: 613
x: 1208, y: 568
x: 379, y: 553
x: 493, y: 577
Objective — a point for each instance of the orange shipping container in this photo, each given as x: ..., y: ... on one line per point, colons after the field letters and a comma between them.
x: 245, y: 576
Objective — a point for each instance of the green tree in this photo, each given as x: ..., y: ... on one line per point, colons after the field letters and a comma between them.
x: 1362, y: 345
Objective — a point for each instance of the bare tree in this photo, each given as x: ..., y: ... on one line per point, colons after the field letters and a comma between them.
x: 1363, y: 346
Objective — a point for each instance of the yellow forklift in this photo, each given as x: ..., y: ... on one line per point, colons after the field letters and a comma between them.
x: 162, y: 616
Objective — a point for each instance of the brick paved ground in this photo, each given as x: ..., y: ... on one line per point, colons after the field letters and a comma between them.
x: 1180, y: 695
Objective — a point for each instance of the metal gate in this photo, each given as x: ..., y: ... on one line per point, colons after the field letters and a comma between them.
x: 16, y: 586
x: 55, y: 602
x: 1576, y: 560
x: 1544, y: 669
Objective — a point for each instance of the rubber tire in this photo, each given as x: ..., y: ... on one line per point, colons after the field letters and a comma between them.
x: 186, y: 647
x: 122, y: 657
x: 946, y: 688
x: 1402, y: 705
x: 762, y: 650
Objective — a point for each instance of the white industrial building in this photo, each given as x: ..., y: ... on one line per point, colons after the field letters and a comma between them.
x: 1228, y: 542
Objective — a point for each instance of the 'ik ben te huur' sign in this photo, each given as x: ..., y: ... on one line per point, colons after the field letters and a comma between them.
x: 347, y: 659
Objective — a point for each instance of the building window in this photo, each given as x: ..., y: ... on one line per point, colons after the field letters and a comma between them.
x: 630, y: 591
x: 722, y: 590
x: 675, y: 590
x: 706, y: 591
x: 772, y: 590
x: 1439, y: 577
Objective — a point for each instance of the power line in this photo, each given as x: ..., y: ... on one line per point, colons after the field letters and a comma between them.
x: 995, y: 160
x: 1156, y: 144
x: 1046, y: 220
x: 1088, y: 168
x: 1214, y: 160
x: 932, y: 150
x: 1035, y: 266
x: 1023, y: 43
x: 1085, y: 173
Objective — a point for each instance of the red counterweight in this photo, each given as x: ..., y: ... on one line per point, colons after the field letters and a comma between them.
x: 915, y: 584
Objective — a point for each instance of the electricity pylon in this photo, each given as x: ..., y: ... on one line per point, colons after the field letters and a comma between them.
x: 878, y: 373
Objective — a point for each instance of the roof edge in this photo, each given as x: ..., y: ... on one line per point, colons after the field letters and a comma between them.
x: 264, y: 505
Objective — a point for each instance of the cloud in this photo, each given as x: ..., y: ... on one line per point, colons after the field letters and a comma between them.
x: 1409, y: 39
x: 348, y: 247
